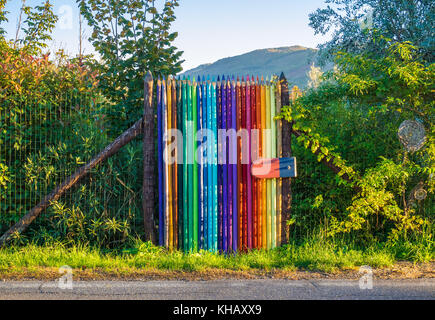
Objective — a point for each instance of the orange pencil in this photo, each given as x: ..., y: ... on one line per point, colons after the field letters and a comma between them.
x: 263, y: 155
x: 170, y: 190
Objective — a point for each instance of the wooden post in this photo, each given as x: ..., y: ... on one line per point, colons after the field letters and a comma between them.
x: 286, y: 153
x: 148, y: 190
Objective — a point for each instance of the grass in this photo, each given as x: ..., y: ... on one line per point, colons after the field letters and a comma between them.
x: 313, y: 255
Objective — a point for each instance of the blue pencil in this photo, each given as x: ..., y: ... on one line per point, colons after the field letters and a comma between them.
x: 205, y: 166
x: 214, y: 167
x: 200, y: 169
x: 209, y: 169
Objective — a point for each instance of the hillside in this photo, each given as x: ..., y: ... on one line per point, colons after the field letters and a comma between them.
x: 294, y: 61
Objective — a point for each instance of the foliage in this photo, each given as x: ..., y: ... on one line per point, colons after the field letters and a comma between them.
x: 358, y: 108
x: 314, y: 253
x: 3, y: 13
x: 52, y: 120
x: 38, y: 25
x: 399, y: 20
x: 131, y: 38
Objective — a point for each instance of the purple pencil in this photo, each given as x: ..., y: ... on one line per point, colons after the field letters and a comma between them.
x: 224, y: 168
x: 229, y: 168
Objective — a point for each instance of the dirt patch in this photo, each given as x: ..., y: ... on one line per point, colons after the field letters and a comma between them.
x: 401, y: 270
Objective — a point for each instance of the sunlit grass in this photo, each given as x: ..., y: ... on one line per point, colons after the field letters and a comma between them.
x: 313, y: 254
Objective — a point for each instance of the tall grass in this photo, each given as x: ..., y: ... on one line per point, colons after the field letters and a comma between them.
x: 312, y: 254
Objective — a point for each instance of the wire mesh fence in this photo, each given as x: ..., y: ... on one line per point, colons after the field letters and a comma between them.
x: 44, y: 143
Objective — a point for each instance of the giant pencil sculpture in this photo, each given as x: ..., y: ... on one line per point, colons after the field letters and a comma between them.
x: 263, y: 155
x: 199, y: 165
x: 214, y: 167
x: 230, y: 162
x: 169, y: 180
x: 185, y: 169
x: 248, y: 167
x: 235, y: 157
x: 219, y: 180
x: 180, y: 148
x: 273, y: 155
x: 224, y: 172
x: 205, y: 164
x: 209, y: 167
x: 268, y: 155
x: 174, y: 167
x: 195, y: 168
x: 160, y: 163
x: 165, y: 166
x: 219, y: 164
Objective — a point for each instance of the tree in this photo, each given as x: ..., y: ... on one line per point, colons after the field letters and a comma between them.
x: 131, y: 37
x: 359, y: 107
x: 352, y: 23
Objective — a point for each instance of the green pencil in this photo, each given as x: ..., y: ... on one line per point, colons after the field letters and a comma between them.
x: 273, y: 155
x: 195, y: 168
x: 190, y: 163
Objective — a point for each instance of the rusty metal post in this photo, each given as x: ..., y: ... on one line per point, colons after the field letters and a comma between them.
x: 286, y: 153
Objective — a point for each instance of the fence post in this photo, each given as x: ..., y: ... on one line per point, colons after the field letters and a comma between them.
x: 148, y: 190
x: 286, y: 152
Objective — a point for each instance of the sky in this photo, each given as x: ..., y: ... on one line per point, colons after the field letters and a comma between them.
x: 208, y: 30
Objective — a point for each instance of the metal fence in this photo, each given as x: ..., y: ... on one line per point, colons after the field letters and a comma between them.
x: 44, y: 143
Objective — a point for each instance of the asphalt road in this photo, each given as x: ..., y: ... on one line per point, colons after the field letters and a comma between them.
x: 221, y: 290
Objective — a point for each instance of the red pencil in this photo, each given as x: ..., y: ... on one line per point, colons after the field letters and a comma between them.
x: 243, y: 166
x: 259, y: 151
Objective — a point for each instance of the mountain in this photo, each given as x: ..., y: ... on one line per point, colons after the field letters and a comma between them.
x: 294, y: 61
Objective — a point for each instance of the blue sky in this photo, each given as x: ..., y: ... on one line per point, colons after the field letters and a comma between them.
x: 208, y: 29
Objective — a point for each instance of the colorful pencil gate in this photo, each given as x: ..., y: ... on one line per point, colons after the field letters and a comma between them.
x: 208, y: 198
